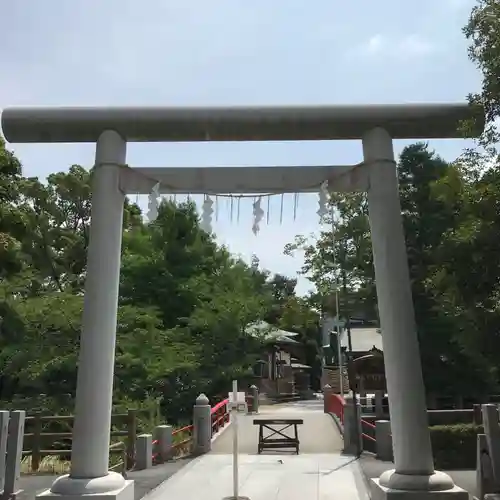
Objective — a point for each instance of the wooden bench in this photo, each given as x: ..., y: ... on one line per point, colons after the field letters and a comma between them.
x: 277, y: 427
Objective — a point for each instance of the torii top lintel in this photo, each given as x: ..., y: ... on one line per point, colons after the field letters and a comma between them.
x: 270, y: 123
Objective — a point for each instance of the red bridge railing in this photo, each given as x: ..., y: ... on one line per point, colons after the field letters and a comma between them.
x: 368, y: 436
x: 183, y: 436
x: 334, y: 403
x: 220, y: 415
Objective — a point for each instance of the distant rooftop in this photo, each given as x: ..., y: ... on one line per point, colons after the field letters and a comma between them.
x: 270, y: 333
x: 363, y: 339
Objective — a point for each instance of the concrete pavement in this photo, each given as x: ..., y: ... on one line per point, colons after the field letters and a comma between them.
x: 318, y: 434
x: 372, y: 467
x: 320, y: 471
x: 267, y: 477
x: 144, y: 480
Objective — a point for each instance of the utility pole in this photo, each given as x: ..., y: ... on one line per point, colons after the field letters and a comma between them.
x: 347, y: 312
x: 348, y: 316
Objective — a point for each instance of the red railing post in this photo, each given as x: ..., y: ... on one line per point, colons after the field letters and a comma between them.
x: 334, y: 403
x: 182, y: 437
x: 219, y: 415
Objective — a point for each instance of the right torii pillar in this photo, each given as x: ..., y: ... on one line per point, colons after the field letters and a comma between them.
x: 414, y: 475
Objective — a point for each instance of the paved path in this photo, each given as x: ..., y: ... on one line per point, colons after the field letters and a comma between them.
x: 372, y: 467
x: 267, y: 477
x: 319, y: 472
x: 144, y: 480
x: 318, y: 434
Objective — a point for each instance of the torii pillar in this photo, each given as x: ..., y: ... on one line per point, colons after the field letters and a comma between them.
x: 89, y: 475
x: 414, y: 475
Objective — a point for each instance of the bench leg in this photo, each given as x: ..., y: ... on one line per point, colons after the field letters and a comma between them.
x: 297, y: 438
x: 261, y: 439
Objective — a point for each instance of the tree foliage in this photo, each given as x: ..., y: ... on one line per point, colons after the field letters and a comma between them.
x: 451, y: 228
x: 183, y: 307
x: 451, y: 220
x: 483, y: 33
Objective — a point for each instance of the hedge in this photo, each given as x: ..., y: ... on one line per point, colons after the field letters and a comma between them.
x: 454, y: 446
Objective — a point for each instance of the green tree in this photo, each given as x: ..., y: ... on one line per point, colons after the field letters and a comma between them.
x: 483, y: 33
x: 12, y: 227
x: 298, y: 316
x: 428, y: 220
x: 184, y: 301
x: 464, y: 275
x: 57, y: 216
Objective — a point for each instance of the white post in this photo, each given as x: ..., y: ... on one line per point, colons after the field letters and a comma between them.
x: 411, y: 439
x: 144, y: 452
x: 492, y: 432
x: 91, y: 431
x: 383, y: 440
x: 14, y: 454
x: 4, y: 433
x: 353, y: 442
x: 337, y: 308
x: 234, y: 415
x: 379, y: 404
x: 163, y: 435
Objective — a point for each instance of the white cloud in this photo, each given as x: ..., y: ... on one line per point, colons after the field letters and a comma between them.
x: 407, y: 46
x: 375, y: 44
x: 414, y: 45
x: 123, y: 52
x: 459, y: 4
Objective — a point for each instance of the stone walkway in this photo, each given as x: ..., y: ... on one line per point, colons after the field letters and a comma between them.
x: 318, y: 434
x: 319, y: 472
x: 267, y: 477
x: 144, y: 480
x: 372, y: 467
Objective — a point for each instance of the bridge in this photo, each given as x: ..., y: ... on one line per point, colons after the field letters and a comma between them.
x: 317, y: 472
x: 171, y: 469
x: 177, y: 465
x: 375, y: 127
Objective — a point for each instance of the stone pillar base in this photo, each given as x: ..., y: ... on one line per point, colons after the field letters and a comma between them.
x: 12, y: 496
x: 379, y: 492
x: 110, y: 487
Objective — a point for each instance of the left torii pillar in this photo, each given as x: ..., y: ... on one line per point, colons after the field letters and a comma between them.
x: 89, y: 476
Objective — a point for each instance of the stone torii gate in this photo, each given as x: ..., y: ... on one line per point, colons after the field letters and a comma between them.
x: 112, y: 128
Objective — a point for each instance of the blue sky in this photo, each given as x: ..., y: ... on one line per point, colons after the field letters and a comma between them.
x: 223, y: 52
